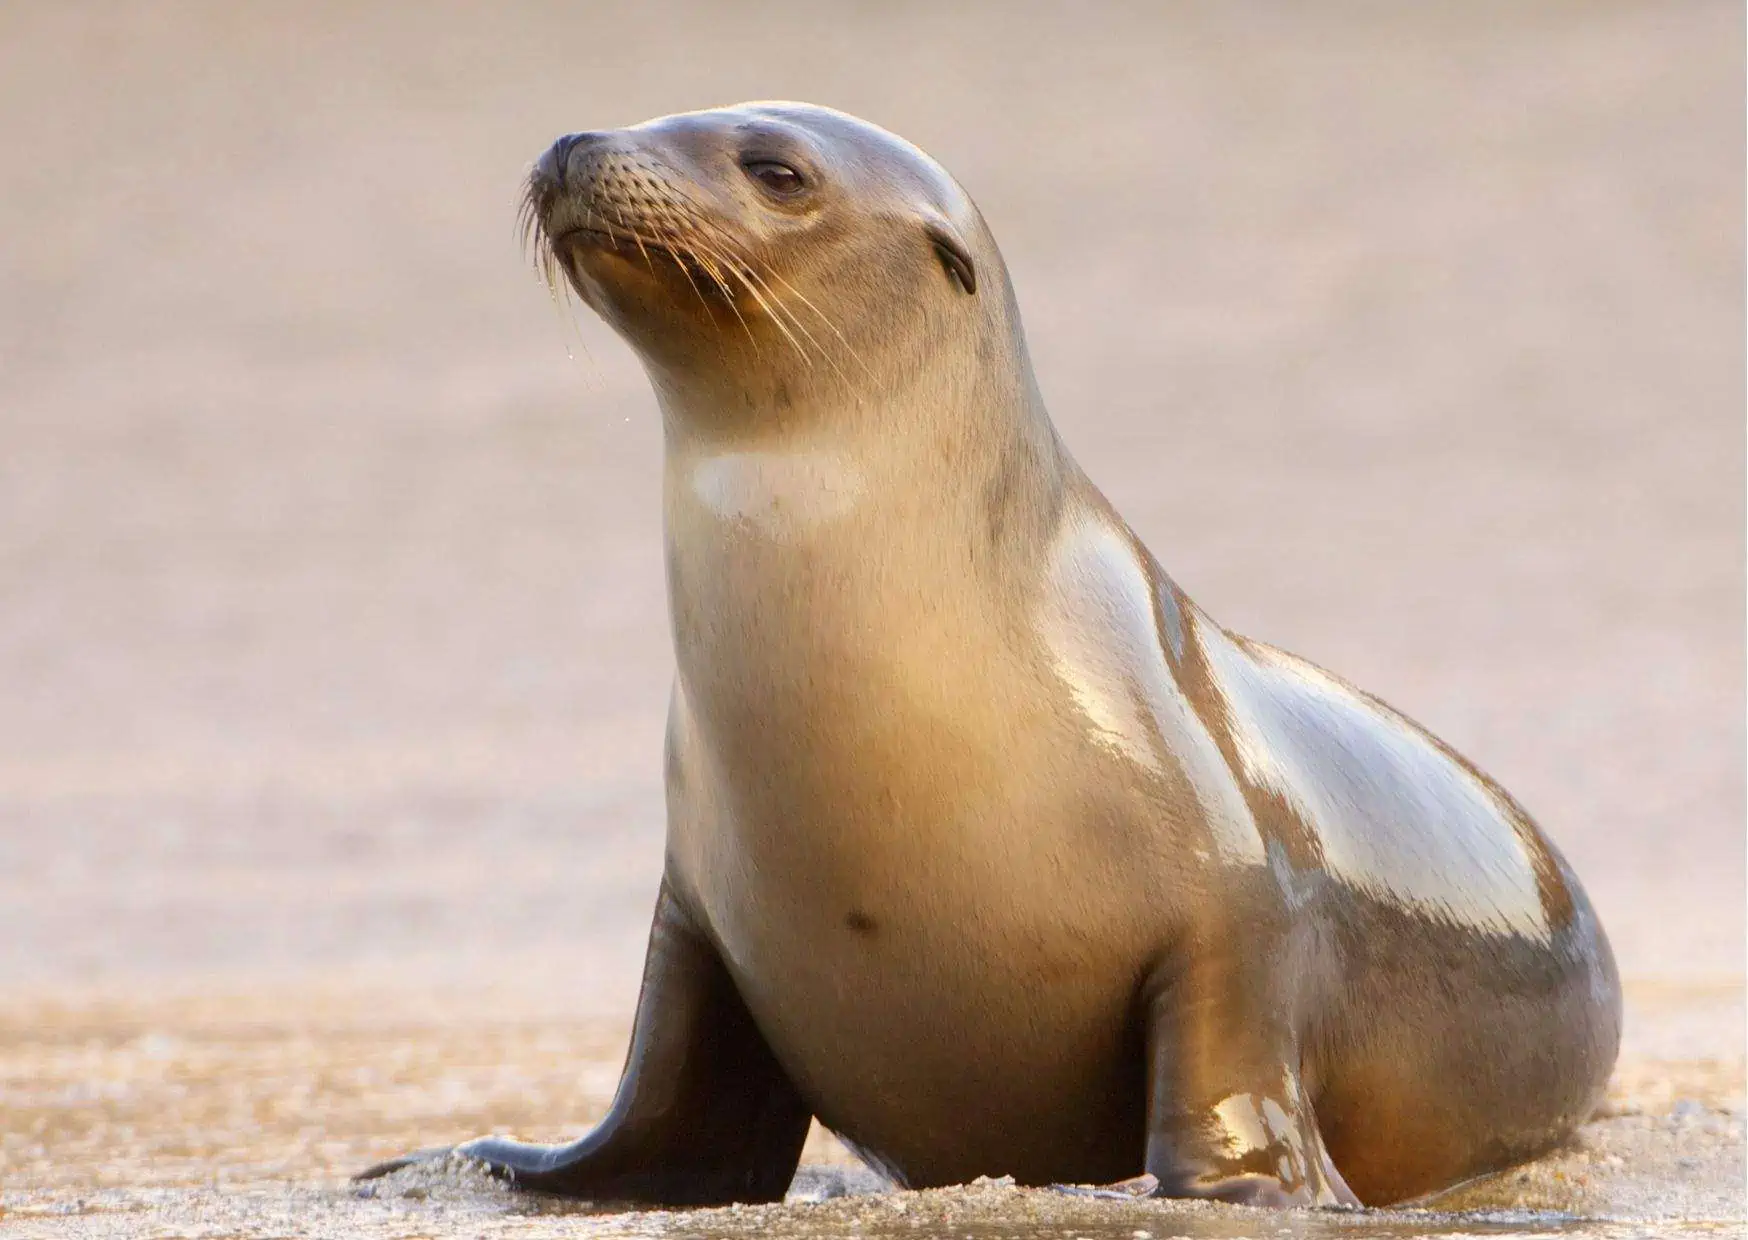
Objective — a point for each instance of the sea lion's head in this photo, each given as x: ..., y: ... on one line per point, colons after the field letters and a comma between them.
x: 772, y: 251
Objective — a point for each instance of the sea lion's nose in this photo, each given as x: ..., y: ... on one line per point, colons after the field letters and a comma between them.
x: 555, y: 163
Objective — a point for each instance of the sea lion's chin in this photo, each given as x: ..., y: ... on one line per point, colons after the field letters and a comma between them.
x: 652, y: 304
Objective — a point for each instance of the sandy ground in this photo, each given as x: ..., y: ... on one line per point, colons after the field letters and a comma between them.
x: 245, y: 1114
x: 332, y: 637
x: 242, y: 1115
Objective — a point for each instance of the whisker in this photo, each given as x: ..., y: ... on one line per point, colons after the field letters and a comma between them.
x: 793, y: 318
x: 748, y: 262
x: 672, y: 251
x: 647, y: 261
x: 823, y: 318
x: 783, y: 308
x: 712, y: 265
x: 747, y: 279
x: 543, y: 255
x: 709, y: 270
x: 772, y: 314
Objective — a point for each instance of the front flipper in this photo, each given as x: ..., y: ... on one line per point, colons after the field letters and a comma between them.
x: 703, y: 1115
x: 1227, y: 1115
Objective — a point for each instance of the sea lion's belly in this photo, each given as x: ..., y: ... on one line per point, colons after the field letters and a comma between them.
x: 948, y: 1030
x: 943, y: 951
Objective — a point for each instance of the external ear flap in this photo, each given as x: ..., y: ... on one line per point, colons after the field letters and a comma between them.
x: 954, y: 256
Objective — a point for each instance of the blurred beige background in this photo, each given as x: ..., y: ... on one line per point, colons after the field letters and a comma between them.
x: 332, y: 635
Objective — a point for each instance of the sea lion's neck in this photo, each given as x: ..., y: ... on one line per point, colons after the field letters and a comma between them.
x: 810, y: 562
x: 912, y: 464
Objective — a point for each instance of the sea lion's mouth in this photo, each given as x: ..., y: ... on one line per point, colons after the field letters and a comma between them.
x: 636, y: 247
x: 608, y: 238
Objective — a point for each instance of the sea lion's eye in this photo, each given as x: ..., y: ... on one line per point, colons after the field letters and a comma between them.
x: 780, y: 179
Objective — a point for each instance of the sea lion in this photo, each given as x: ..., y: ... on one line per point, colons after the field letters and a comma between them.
x: 985, y: 845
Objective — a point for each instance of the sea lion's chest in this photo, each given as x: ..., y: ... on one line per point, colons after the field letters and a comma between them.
x: 911, y: 834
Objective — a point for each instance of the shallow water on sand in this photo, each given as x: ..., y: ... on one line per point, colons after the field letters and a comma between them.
x: 244, y: 1116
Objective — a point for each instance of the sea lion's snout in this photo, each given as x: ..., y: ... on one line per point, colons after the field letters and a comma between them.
x: 596, y: 196
x: 638, y: 224
x: 552, y: 169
